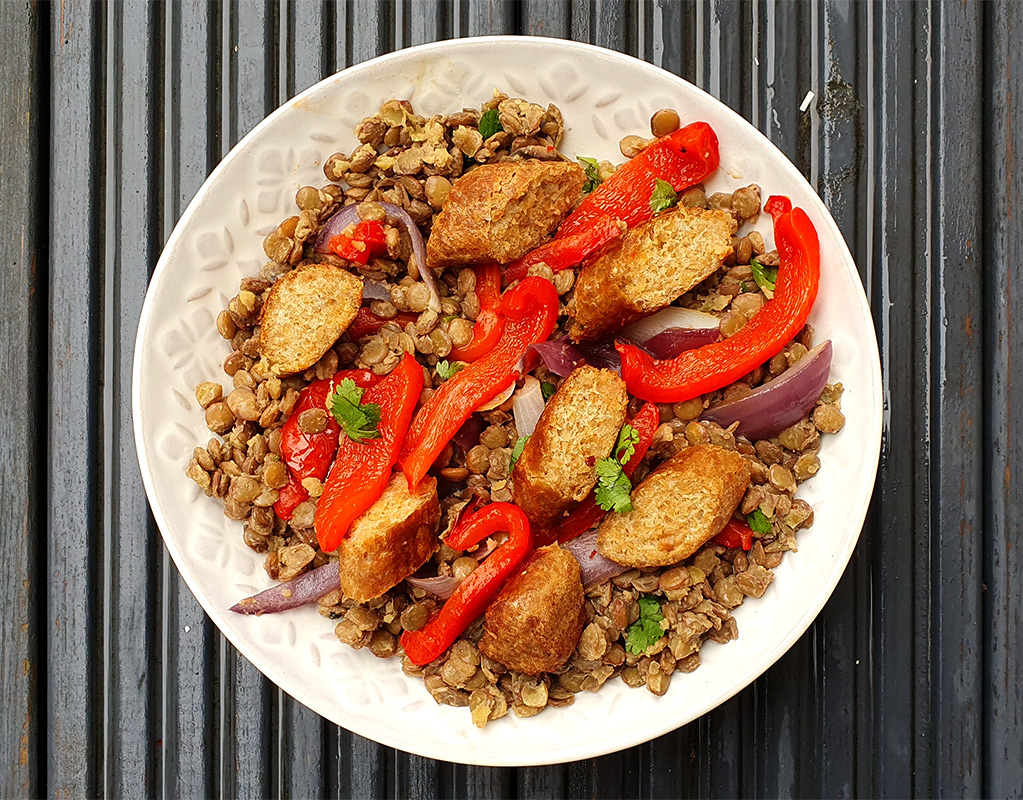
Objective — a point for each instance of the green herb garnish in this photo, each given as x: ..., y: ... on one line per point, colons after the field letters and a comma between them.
x: 646, y: 631
x: 758, y: 522
x: 628, y: 438
x: 613, y: 485
x: 766, y: 277
x: 446, y: 369
x: 517, y: 451
x: 358, y: 420
x: 663, y: 197
x: 593, y: 179
x: 490, y: 123
x: 547, y: 389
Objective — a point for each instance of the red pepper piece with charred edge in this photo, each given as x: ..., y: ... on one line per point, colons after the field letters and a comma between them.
x: 683, y: 158
x: 487, y: 330
x: 361, y: 469
x: 479, y: 589
x: 309, y: 455
x: 588, y: 514
x: 735, y: 534
x: 712, y: 366
x: 530, y: 310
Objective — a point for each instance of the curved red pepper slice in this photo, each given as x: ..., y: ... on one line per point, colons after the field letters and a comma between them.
x: 309, y: 455
x: 712, y: 366
x: 479, y: 589
x: 735, y: 534
x: 683, y: 158
x: 361, y: 469
x: 487, y: 330
x: 366, y: 322
x: 366, y: 239
x: 588, y: 514
x: 530, y: 309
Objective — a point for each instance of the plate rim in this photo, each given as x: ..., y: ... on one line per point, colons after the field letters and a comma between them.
x: 570, y: 752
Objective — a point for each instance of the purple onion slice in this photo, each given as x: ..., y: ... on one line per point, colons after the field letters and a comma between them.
x: 595, y: 567
x: 306, y: 588
x: 780, y: 403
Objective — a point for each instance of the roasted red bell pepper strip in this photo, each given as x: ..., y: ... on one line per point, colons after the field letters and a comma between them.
x: 365, y: 240
x: 309, y: 455
x: 488, y: 327
x: 712, y: 366
x: 366, y: 322
x: 735, y: 534
x: 529, y: 309
x: 479, y: 589
x: 588, y: 514
x: 362, y: 469
x: 683, y: 158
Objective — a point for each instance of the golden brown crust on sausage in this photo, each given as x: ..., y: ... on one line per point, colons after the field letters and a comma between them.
x: 535, y: 623
x: 679, y: 507
x: 305, y: 313
x: 391, y: 540
x: 499, y: 212
x: 578, y: 427
x: 653, y: 264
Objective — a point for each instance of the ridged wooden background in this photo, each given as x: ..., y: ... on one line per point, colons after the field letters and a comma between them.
x: 112, y: 681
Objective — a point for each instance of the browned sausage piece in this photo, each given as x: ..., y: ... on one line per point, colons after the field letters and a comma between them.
x: 653, y: 264
x: 499, y: 212
x: 680, y: 506
x: 578, y: 427
x: 391, y: 540
x: 536, y: 621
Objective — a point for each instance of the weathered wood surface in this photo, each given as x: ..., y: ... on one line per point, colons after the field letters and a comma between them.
x: 112, y: 681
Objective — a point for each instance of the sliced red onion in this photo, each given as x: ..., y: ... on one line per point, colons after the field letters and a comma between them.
x: 672, y: 341
x: 499, y: 399
x: 372, y: 290
x: 527, y: 406
x: 773, y: 407
x: 595, y: 567
x: 670, y: 317
x: 443, y: 586
x: 349, y: 215
x: 560, y: 355
x: 603, y: 355
x: 468, y: 435
x: 306, y: 588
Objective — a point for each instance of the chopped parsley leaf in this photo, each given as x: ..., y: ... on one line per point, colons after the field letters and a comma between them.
x: 628, y: 438
x: 358, y: 420
x: 766, y: 277
x: 547, y: 389
x: 517, y: 451
x: 646, y: 631
x: 447, y: 369
x: 663, y: 197
x: 758, y: 522
x: 593, y: 179
x: 613, y: 486
x: 490, y: 123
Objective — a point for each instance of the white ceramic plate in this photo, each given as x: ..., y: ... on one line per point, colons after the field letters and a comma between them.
x: 603, y: 96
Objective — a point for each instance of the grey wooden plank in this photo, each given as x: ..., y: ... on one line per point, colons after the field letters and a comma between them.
x: 22, y: 396
x: 417, y: 22
x: 1003, y: 334
x: 361, y: 766
x: 956, y: 266
x: 72, y: 571
x: 306, y: 45
x: 485, y: 17
x: 547, y: 18
x: 130, y: 541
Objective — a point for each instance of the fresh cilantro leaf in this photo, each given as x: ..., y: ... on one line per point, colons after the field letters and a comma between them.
x: 766, y: 277
x: 758, y: 521
x: 547, y: 389
x: 628, y: 438
x: 645, y: 632
x: 446, y: 369
x: 490, y: 123
x: 592, y: 168
x: 517, y: 451
x: 613, y: 486
x: 663, y: 197
x: 358, y: 420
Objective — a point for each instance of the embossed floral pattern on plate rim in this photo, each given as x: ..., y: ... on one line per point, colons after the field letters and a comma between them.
x: 603, y: 95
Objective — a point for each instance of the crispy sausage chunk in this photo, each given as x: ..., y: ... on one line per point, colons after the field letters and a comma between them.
x: 653, y: 264
x: 499, y: 212
x: 535, y: 623
x: 391, y: 540
x: 680, y: 506
x: 578, y: 427
x: 305, y: 313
